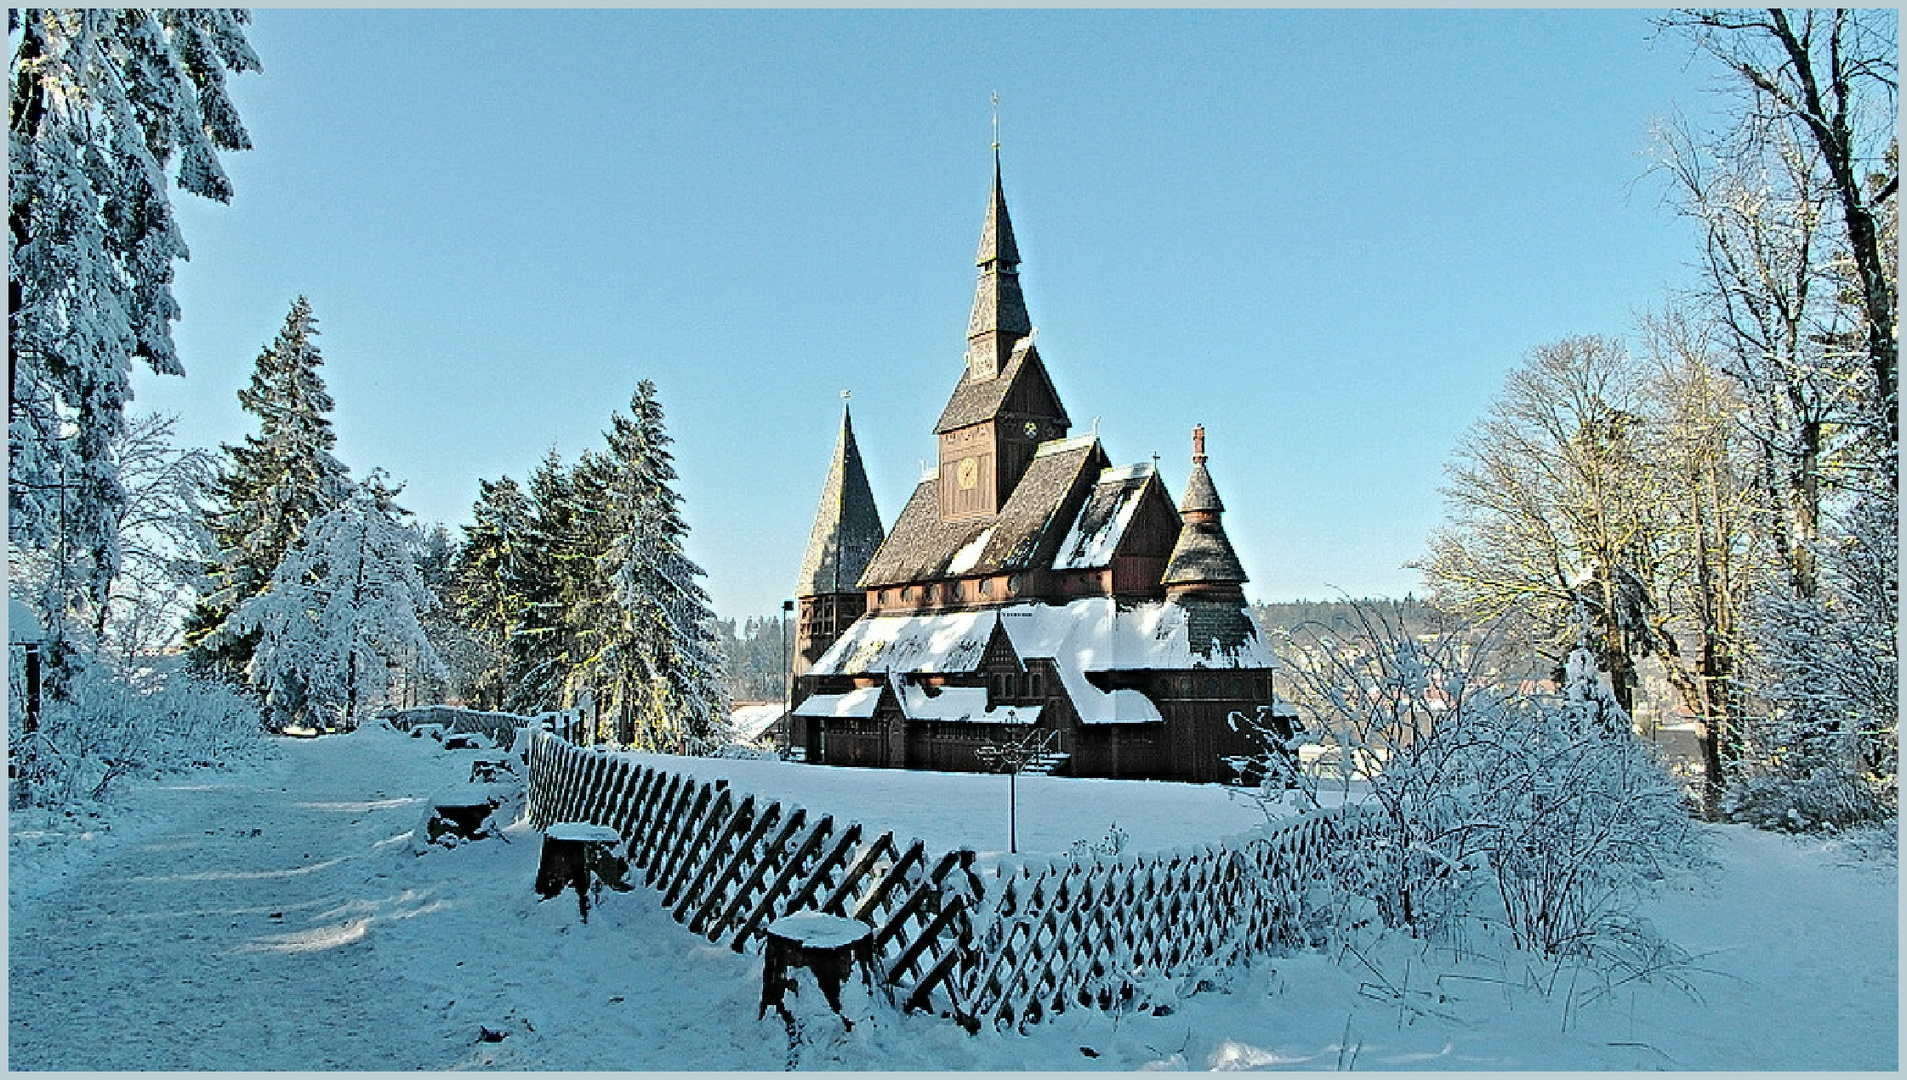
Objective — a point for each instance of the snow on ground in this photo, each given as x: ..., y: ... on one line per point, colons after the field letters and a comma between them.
x: 954, y: 810
x: 276, y: 916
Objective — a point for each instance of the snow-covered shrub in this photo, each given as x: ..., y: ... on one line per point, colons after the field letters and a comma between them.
x: 106, y: 727
x: 1580, y: 814
x: 1483, y: 789
x: 1827, y: 754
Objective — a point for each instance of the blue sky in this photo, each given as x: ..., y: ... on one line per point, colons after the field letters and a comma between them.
x: 1325, y: 235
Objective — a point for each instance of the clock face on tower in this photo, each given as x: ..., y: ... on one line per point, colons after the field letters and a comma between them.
x: 969, y: 473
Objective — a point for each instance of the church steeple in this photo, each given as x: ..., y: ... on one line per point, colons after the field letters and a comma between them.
x: 847, y: 526
x: 999, y: 308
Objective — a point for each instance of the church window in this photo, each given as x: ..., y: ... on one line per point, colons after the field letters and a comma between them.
x: 1185, y: 686
x: 1039, y: 686
x: 986, y: 587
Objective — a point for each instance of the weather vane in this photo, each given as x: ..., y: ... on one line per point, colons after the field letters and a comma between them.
x: 996, y: 119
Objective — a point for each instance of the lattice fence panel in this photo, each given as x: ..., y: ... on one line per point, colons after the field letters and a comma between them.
x: 1068, y: 933
x: 726, y: 865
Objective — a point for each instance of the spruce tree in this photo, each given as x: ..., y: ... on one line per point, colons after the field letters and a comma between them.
x: 270, y: 488
x: 541, y: 648
x: 490, y: 583
x: 670, y: 621
x: 101, y: 104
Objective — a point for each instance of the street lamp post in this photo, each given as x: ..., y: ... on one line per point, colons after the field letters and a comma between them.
x: 787, y: 684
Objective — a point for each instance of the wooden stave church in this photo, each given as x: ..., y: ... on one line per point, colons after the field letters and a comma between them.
x: 1027, y: 584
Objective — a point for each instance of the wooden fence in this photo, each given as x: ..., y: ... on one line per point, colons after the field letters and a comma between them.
x: 1098, y: 931
x: 726, y: 867
x: 1032, y: 939
x: 499, y: 728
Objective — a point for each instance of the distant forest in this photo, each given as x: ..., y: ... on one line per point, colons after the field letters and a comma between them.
x: 1341, y: 616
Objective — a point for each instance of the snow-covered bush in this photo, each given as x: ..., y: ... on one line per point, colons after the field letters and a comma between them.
x: 1483, y: 787
x: 106, y: 727
x: 1827, y: 754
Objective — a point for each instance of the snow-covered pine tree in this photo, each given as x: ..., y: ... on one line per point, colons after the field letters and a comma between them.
x: 490, y: 580
x: 342, y: 611
x: 270, y: 488
x: 101, y: 104
x: 546, y: 588
x: 668, y: 609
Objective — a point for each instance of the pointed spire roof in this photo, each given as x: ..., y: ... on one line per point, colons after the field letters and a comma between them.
x: 999, y: 307
x: 847, y: 526
x: 996, y: 236
x: 1204, y: 554
x: 1200, y: 495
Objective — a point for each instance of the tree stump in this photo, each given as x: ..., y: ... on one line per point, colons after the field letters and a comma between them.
x: 462, y: 815
x: 583, y: 857
x: 486, y: 770
x: 462, y: 742
x: 829, y: 947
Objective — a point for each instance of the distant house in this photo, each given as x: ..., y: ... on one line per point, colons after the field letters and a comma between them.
x: 753, y: 723
x: 1029, y: 583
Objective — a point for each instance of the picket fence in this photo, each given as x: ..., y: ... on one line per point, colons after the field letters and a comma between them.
x: 1037, y: 938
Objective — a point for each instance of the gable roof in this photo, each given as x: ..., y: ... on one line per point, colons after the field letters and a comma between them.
x: 847, y: 525
x: 1108, y: 512
x: 978, y: 400
x: 922, y: 547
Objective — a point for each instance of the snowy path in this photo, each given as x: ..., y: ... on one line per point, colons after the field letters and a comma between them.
x: 182, y: 940
x: 321, y: 941
x: 238, y: 928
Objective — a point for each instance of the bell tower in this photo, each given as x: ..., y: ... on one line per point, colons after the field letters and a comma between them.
x: 1004, y: 405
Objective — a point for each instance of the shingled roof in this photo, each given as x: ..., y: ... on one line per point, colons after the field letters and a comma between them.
x: 977, y: 400
x: 1021, y: 536
x: 847, y: 526
x: 1107, y: 514
x: 1204, y: 554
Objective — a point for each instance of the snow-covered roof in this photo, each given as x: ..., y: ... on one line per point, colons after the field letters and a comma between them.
x: 858, y: 704
x: 962, y: 703
x: 1102, y: 521
x: 22, y: 624
x: 1090, y: 634
x: 748, y: 722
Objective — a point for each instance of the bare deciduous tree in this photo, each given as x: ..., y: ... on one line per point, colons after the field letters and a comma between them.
x: 1552, y: 510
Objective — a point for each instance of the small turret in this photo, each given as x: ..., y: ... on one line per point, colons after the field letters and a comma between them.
x: 1203, y: 563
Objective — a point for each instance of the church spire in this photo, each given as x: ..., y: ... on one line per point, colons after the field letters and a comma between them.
x: 999, y: 309
x: 1203, y: 562
x: 847, y: 526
